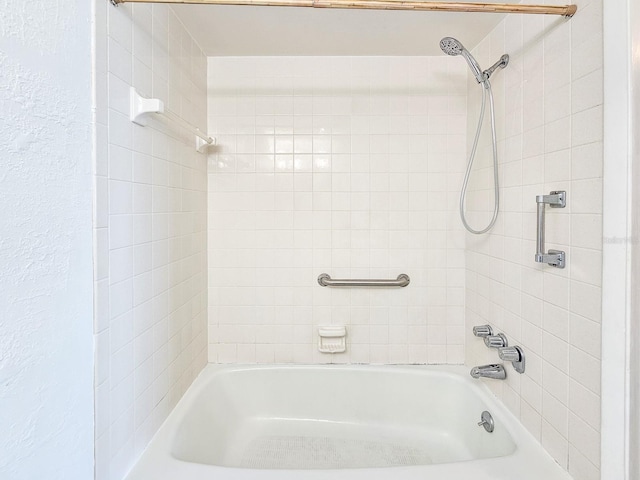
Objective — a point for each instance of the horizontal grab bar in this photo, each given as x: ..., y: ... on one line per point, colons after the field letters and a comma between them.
x: 326, y: 281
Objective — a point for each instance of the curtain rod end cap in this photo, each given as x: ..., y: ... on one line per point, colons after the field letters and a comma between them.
x: 571, y: 11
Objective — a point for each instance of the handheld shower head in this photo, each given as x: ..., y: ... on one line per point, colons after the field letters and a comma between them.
x: 453, y: 47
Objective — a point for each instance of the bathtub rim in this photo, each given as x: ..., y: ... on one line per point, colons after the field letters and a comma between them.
x: 158, y: 457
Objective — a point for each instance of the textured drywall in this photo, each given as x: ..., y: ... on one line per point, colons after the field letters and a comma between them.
x: 46, y: 366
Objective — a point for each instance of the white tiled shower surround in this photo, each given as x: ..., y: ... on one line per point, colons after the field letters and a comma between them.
x: 150, y: 235
x: 550, y: 129
x: 344, y: 165
x: 350, y: 166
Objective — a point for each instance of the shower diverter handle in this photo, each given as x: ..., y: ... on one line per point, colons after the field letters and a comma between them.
x: 555, y: 258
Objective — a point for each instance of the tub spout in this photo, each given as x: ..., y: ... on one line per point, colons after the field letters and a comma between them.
x: 496, y: 371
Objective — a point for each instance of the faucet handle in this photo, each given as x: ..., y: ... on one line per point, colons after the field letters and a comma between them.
x: 482, y: 330
x: 509, y: 354
x: 496, y: 341
x: 515, y: 355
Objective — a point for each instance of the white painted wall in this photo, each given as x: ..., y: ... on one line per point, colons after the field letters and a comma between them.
x: 344, y: 165
x: 221, y: 30
x: 621, y: 305
x: 634, y: 370
x: 46, y: 354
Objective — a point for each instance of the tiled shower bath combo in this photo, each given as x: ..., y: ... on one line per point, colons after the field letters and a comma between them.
x: 219, y: 352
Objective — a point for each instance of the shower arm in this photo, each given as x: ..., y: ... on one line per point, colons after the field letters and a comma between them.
x: 502, y: 63
x: 562, y: 10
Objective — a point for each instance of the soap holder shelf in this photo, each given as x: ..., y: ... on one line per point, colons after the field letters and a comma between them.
x: 332, y: 339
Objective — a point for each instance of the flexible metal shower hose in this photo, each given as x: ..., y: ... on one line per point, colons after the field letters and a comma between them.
x: 486, y: 87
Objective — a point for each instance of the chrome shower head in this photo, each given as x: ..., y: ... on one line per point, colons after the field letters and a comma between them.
x: 452, y: 46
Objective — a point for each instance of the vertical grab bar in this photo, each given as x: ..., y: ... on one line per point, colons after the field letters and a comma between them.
x: 556, y: 199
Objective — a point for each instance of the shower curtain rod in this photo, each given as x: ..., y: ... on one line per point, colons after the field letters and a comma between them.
x: 565, y: 10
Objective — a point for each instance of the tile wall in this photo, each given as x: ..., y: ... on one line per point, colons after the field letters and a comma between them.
x: 344, y: 165
x: 150, y: 233
x: 550, y: 129
x: 350, y: 166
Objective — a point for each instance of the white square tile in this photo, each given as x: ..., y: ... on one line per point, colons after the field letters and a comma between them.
x: 374, y: 160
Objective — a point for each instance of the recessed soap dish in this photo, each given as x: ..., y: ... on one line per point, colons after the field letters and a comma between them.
x: 332, y: 339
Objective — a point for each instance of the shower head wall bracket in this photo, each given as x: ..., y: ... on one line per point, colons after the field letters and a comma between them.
x: 453, y: 46
x: 502, y: 63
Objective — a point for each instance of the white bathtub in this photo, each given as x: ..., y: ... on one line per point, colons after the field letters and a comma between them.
x: 341, y: 422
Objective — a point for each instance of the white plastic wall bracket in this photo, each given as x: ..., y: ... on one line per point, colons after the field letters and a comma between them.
x: 202, y: 145
x: 332, y: 339
x: 140, y: 107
